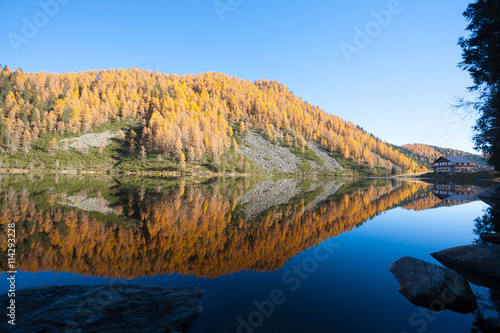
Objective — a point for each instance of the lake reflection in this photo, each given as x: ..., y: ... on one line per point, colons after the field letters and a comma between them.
x: 174, y: 232
x: 114, y: 228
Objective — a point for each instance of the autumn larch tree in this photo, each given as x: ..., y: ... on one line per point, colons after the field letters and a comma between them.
x: 142, y: 154
x: 26, y: 141
x: 132, y: 147
x: 102, y: 143
x: 53, y: 146
x: 182, y: 160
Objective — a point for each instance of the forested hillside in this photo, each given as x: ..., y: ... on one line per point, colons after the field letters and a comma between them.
x: 196, y: 119
x: 426, y: 154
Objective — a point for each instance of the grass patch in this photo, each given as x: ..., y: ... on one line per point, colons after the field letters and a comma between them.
x: 308, y: 153
x: 363, y: 169
x: 305, y: 166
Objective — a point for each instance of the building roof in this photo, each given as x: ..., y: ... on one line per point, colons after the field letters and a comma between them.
x: 455, y: 159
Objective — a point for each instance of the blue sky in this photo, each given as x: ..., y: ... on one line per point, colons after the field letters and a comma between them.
x: 397, y: 78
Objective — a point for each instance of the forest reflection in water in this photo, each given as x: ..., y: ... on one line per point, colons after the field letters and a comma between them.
x: 126, y: 227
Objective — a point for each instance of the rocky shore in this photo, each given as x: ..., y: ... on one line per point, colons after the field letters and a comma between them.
x: 105, y: 308
x: 427, y: 285
x: 480, y: 264
x: 434, y: 287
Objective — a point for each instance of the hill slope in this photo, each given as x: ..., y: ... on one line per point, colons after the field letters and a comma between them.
x: 426, y: 154
x: 198, y: 119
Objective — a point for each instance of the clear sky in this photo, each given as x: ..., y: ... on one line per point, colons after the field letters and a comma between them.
x: 389, y: 66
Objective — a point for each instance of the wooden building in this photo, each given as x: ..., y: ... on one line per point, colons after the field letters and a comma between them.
x: 453, y: 164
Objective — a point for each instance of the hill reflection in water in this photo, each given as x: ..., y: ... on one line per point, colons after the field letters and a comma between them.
x: 128, y: 227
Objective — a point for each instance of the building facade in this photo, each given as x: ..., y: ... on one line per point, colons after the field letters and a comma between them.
x: 453, y: 164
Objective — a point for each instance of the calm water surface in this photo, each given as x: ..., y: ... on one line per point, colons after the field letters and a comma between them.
x: 275, y: 255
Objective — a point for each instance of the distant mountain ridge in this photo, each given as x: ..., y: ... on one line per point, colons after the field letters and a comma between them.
x: 426, y: 154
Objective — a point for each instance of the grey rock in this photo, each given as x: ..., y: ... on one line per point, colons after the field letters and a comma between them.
x: 91, y: 140
x: 105, y: 308
x: 493, y: 193
x: 491, y: 238
x: 491, y: 197
x: 480, y: 264
x: 434, y: 287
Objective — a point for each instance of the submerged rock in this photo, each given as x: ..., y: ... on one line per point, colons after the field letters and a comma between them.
x: 491, y: 238
x: 105, y: 308
x: 480, y: 264
x: 434, y: 287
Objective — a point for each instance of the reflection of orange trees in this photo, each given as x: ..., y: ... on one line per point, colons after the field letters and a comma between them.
x: 189, y: 232
x: 428, y: 202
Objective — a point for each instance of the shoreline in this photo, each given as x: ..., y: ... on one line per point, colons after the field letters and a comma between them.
x: 179, y: 174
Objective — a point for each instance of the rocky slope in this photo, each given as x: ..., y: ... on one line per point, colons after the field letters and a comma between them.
x: 91, y: 140
x: 273, y: 158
